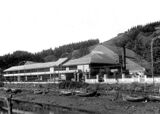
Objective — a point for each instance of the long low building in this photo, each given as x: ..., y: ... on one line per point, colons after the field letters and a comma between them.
x: 35, y: 71
x: 102, y: 63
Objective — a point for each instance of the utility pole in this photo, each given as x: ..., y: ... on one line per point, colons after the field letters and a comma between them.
x: 152, y: 59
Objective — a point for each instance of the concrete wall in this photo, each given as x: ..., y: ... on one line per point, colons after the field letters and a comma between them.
x: 125, y: 80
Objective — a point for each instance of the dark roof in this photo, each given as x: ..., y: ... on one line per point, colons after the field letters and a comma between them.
x: 119, y: 51
x: 99, y: 54
x: 130, y: 55
x: 110, y: 55
x: 91, y: 58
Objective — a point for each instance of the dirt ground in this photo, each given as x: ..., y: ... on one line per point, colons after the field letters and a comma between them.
x: 107, y: 103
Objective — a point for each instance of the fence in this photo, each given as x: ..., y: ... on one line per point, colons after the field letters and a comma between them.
x: 125, y: 80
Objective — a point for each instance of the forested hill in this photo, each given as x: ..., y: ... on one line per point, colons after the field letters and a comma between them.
x: 19, y: 57
x: 139, y: 39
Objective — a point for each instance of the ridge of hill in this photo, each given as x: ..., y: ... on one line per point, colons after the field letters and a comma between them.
x: 138, y: 39
x: 20, y: 57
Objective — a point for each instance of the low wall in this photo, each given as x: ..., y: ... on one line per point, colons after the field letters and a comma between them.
x: 125, y: 80
x: 150, y: 80
x: 91, y: 81
x: 108, y: 81
x: 30, y: 82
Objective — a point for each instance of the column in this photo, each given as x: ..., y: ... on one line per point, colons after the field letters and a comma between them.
x: 78, y: 77
x: 97, y: 78
x: 19, y: 78
x: 75, y: 77
x: 26, y: 79
x: 50, y: 77
x: 123, y: 76
x: 105, y: 77
x: 85, y: 77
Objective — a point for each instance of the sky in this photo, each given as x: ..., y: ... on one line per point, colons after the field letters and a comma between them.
x: 36, y: 25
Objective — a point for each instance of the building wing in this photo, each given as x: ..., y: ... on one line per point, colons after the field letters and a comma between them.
x: 36, y: 65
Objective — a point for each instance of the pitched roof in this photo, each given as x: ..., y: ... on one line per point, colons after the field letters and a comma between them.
x: 110, y: 54
x: 130, y: 55
x: 91, y: 58
x: 119, y: 51
x: 99, y: 54
x: 133, y: 66
x: 36, y: 65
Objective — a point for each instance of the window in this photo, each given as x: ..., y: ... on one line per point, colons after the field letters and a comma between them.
x: 43, y: 70
x: 56, y: 68
x: 72, y: 67
x: 37, y: 70
x: 63, y: 68
x: 59, y: 68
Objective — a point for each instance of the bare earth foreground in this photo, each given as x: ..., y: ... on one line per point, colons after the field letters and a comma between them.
x: 103, y: 104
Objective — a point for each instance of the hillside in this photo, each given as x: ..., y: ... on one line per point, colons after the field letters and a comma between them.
x: 73, y: 50
x: 138, y: 39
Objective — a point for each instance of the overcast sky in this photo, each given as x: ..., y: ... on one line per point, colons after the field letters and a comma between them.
x: 34, y: 25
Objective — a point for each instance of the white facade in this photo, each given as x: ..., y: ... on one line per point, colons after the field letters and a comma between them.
x: 83, y: 68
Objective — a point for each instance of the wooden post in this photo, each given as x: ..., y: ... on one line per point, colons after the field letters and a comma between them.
x: 50, y: 77
x: 9, y: 104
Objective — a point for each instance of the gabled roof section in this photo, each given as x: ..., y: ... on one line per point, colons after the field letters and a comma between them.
x: 106, y: 51
x: 110, y: 55
x: 37, y: 65
x: 119, y: 51
x: 60, y: 61
x: 129, y: 55
x: 91, y: 58
x: 99, y: 54
x: 133, y: 66
x: 29, y: 62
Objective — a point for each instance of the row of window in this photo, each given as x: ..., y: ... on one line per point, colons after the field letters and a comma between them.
x: 29, y: 71
x: 29, y: 78
x: 59, y: 68
x: 42, y: 70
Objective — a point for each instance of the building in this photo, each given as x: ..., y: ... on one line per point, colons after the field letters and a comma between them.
x: 35, y: 71
x: 100, y: 65
x: 103, y: 63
